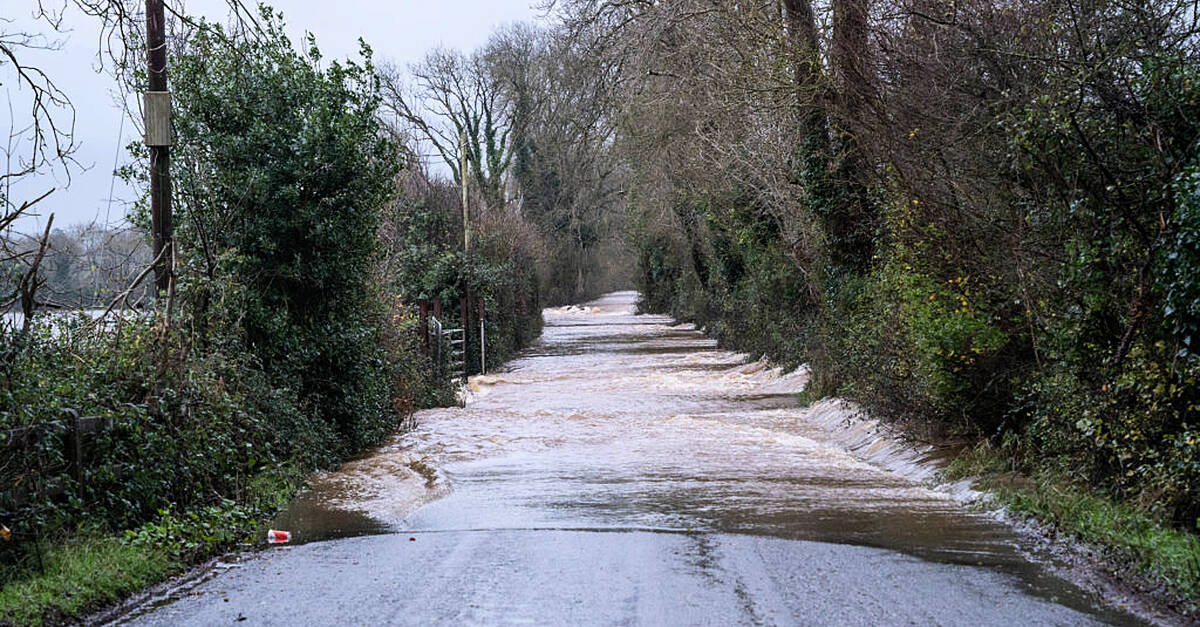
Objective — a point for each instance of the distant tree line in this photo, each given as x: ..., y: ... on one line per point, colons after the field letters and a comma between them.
x: 533, y: 113
x: 84, y: 266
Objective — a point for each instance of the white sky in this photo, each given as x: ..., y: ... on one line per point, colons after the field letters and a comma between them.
x: 398, y: 30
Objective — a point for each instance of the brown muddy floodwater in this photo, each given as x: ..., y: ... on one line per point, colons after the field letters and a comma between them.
x: 615, y: 421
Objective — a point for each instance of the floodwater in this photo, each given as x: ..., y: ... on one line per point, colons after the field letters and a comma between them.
x: 62, y: 319
x: 615, y: 421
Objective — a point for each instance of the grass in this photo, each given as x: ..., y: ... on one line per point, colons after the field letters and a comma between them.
x: 80, y: 575
x: 88, y: 571
x: 1157, y: 552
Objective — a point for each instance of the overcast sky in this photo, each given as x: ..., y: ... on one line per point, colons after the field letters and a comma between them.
x: 398, y: 30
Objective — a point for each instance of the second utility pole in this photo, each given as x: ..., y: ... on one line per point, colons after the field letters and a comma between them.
x: 462, y: 176
x: 465, y: 302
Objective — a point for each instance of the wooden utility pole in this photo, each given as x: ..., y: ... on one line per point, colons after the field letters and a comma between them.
x: 159, y: 139
x: 464, y: 303
x: 462, y: 175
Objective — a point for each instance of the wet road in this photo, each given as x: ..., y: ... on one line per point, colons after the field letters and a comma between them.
x: 624, y: 471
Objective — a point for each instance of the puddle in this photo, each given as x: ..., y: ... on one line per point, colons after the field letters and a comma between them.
x: 310, y: 518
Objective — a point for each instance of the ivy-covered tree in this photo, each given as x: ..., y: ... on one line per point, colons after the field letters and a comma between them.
x: 282, y: 171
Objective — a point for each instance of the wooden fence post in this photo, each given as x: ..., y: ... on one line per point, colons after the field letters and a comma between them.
x: 424, y: 325
x: 75, y: 444
x: 482, y: 336
x: 464, y: 306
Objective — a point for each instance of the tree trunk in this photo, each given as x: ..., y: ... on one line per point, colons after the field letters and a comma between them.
x: 854, y: 220
x: 806, y: 60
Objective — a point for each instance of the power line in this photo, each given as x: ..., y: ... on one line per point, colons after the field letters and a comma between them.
x: 112, y: 182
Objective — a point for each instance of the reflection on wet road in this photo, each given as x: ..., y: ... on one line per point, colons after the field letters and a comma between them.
x: 625, y: 471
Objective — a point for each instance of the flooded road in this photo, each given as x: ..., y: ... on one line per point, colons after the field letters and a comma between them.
x: 625, y: 471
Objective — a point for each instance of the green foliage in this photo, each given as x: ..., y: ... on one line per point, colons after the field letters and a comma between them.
x: 424, y: 261
x: 657, y: 275
x: 1181, y: 282
x: 1158, y: 554
x: 939, y: 346
x: 727, y: 270
x: 283, y: 171
x: 197, y: 533
x: 210, y: 431
x: 1114, y: 397
x: 1163, y: 555
x: 1149, y: 456
x: 171, y: 449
